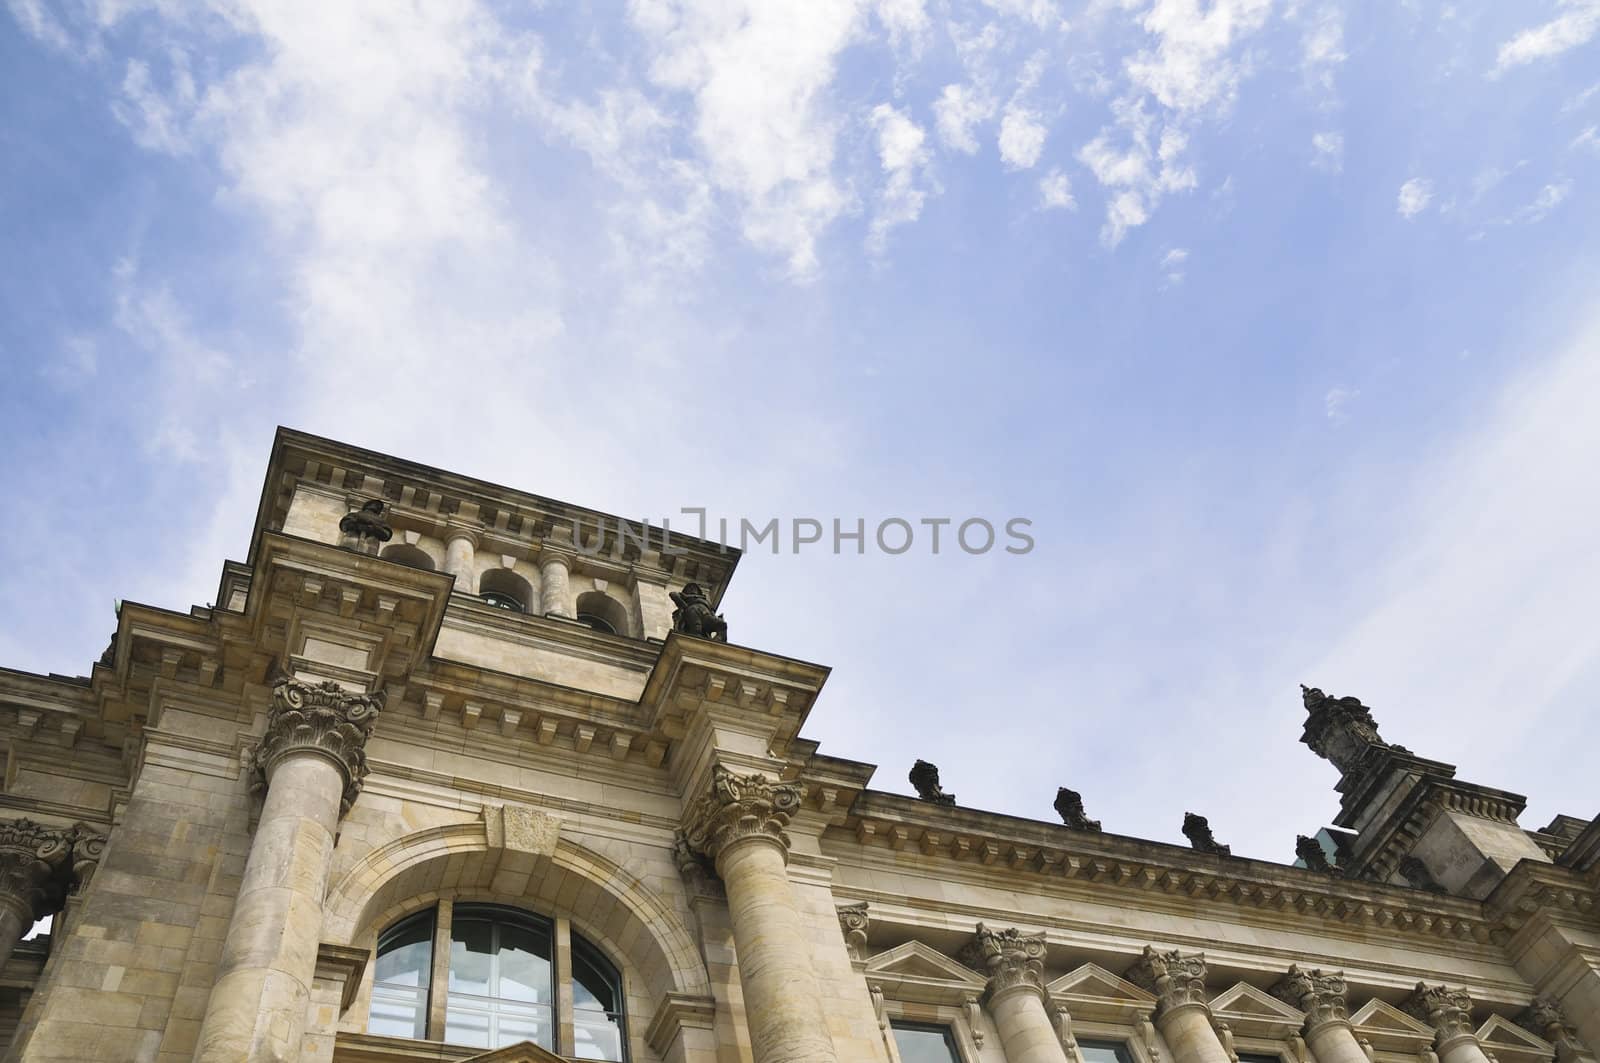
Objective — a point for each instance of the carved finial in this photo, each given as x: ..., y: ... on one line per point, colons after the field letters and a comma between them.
x: 693, y: 615
x: 1198, y: 830
x: 365, y: 529
x: 1447, y: 1010
x: 925, y: 778
x: 1311, y: 852
x: 1069, y: 806
x: 1323, y: 997
x: 1174, y: 978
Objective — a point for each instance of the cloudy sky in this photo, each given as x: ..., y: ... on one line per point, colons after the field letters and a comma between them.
x: 1276, y: 319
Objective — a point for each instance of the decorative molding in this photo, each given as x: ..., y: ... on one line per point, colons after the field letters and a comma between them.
x: 33, y: 859
x: 853, y: 922
x: 1506, y: 1042
x: 1384, y: 1028
x: 1176, y: 980
x: 1544, y: 1017
x: 1009, y: 957
x: 1323, y: 997
x: 917, y: 973
x: 1251, y: 1012
x: 740, y: 807
x: 322, y: 718
x: 679, y: 1011
x: 1447, y: 1010
x: 344, y: 964
x: 1090, y: 993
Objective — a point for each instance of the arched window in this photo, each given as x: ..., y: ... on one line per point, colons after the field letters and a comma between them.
x: 508, y: 970
x: 602, y: 612
x: 504, y: 589
x: 411, y: 556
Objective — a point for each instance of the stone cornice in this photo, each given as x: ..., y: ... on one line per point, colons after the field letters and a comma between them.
x: 1382, y: 849
x: 1009, y: 845
x: 740, y: 808
x: 1176, y: 979
x: 1323, y: 997
x: 1010, y: 958
x: 325, y: 720
x: 1533, y: 888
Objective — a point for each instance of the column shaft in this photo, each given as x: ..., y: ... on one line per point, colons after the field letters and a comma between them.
x: 1177, y: 981
x: 1189, y: 1033
x: 1335, y: 1042
x: 783, y: 1005
x: 14, y: 923
x: 460, y: 561
x: 555, y: 594
x: 1461, y: 1050
x: 1026, y: 1032
x: 257, y: 1010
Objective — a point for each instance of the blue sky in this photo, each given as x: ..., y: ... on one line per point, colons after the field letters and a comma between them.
x: 1276, y: 319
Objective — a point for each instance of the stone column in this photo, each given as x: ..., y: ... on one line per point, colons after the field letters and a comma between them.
x: 739, y: 825
x: 460, y: 551
x: 555, y: 593
x: 1323, y: 997
x: 311, y: 762
x: 1015, y: 996
x: 1182, y: 1014
x: 1449, y: 1012
x: 33, y: 862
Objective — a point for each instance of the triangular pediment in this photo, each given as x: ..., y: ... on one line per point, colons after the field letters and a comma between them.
x: 1094, y: 993
x: 1254, y: 1012
x: 1390, y: 1029
x: 1510, y: 1043
x: 521, y: 1052
x: 918, y: 972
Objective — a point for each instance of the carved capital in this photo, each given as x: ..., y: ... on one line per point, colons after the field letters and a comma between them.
x: 853, y: 925
x: 1009, y: 957
x: 33, y: 859
x: 740, y: 807
x: 1544, y: 1017
x: 1323, y: 997
x: 1174, y: 979
x: 324, y: 719
x: 88, y: 846
x: 1448, y: 1011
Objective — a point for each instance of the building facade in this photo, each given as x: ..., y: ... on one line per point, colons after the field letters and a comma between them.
x: 444, y: 774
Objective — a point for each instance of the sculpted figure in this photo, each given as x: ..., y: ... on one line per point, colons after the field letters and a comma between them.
x: 693, y: 615
x: 1198, y: 831
x: 925, y: 777
x: 1069, y: 806
x: 1310, y: 850
x: 365, y: 529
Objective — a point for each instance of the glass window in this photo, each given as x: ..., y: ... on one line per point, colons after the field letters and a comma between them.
x: 1104, y: 1051
x: 501, y: 986
x: 922, y: 1043
x: 596, y: 1005
x: 400, y: 978
x: 502, y: 600
x: 599, y: 623
x: 1258, y: 1057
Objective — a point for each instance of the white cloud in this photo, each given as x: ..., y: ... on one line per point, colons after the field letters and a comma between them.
x: 1588, y: 139
x: 157, y: 119
x: 1022, y: 138
x: 1055, y: 192
x: 1173, y: 264
x: 903, y: 153
x: 1336, y: 402
x: 1329, y: 148
x: 1322, y: 48
x: 907, y: 23
x: 957, y: 112
x: 1577, y: 24
x: 1549, y: 198
x: 1140, y: 175
x: 1191, y: 67
x: 1415, y: 195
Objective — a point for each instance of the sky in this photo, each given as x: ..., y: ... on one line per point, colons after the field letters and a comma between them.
x: 1276, y: 320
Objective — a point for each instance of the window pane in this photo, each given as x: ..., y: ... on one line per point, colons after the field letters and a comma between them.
x: 598, y: 1036
x: 533, y: 1027
x: 400, y: 979
x: 924, y: 1044
x: 1104, y: 1051
x: 398, y: 1012
x: 524, y: 960
x: 464, y: 1027
x: 595, y: 986
x: 471, y: 956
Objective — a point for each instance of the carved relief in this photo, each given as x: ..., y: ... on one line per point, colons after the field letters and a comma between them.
x: 1448, y: 1011
x: 1174, y: 979
x: 324, y: 718
x: 740, y: 807
x: 1009, y: 957
x: 88, y: 846
x: 925, y: 778
x: 1544, y: 1017
x: 1198, y: 830
x: 1323, y: 997
x: 32, y: 859
x: 853, y: 924
x: 1069, y: 806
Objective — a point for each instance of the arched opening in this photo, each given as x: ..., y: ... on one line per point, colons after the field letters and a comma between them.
x: 408, y: 555
x: 504, y: 589
x: 603, y: 612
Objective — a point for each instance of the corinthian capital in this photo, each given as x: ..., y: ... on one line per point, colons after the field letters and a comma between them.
x: 1448, y: 1011
x: 32, y: 860
x: 740, y: 807
x: 1009, y: 957
x: 324, y: 719
x: 1174, y: 979
x: 1544, y: 1018
x: 1321, y: 996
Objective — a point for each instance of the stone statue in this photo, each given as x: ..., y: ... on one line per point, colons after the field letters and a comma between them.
x: 1198, y: 831
x: 693, y: 615
x: 1310, y: 850
x: 1069, y: 806
x: 925, y: 777
x: 365, y: 529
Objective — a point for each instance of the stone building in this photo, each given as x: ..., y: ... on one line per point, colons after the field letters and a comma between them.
x: 437, y: 778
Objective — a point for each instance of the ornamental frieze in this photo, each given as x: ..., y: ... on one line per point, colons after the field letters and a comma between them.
x: 740, y: 807
x: 322, y: 718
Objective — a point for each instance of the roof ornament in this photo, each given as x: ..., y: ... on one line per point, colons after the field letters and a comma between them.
x: 693, y: 615
x: 925, y: 777
x: 366, y: 529
x: 1198, y: 830
x: 1069, y: 806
